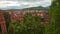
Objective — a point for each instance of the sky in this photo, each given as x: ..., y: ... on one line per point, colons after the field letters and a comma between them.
x: 20, y: 4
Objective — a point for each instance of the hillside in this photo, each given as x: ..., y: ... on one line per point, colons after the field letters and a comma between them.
x: 37, y: 8
x: 30, y: 8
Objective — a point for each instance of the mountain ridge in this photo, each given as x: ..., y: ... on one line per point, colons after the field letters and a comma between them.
x: 29, y: 8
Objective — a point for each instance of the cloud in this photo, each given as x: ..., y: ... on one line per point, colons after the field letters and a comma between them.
x: 8, y: 3
x: 25, y: 3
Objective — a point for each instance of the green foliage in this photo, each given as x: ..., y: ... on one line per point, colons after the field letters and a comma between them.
x: 30, y: 26
x: 10, y: 28
x: 54, y: 25
x: 7, y: 18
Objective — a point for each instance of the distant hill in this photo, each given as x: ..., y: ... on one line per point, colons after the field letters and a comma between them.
x: 37, y: 8
x: 30, y: 8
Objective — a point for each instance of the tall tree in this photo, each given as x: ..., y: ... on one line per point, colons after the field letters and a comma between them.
x: 54, y: 25
x: 55, y: 16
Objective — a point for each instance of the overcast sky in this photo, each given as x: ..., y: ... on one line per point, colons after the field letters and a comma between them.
x: 24, y: 3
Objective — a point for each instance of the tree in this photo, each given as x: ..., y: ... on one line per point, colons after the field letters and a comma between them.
x: 56, y: 15
x: 54, y: 25
x: 7, y: 18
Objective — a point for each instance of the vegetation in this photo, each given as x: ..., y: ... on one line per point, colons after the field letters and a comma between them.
x: 32, y: 24
x: 53, y: 27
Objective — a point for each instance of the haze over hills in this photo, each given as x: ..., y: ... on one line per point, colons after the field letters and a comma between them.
x: 30, y: 8
x: 20, y: 4
x: 37, y: 8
